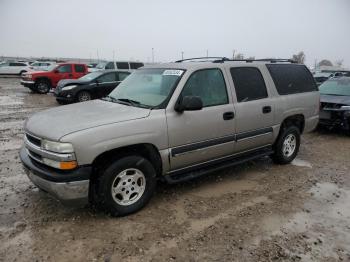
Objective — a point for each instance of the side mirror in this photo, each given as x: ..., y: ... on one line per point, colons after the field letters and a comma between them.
x: 189, y: 103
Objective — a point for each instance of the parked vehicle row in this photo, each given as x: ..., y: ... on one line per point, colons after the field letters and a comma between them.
x: 173, y: 122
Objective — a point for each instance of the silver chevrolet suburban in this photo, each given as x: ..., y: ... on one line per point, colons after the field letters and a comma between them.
x: 174, y: 122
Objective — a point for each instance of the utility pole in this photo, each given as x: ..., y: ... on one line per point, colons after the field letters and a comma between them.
x: 98, y: 58
x: 152, y: 55
x: 233, y: 54
x: 207, y: 53
x: 182, y: 55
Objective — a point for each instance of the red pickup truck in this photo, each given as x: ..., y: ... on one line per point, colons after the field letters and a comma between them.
x: 43, y: 81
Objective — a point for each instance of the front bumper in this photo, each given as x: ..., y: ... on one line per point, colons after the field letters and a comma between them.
x: 27, y: 83
x: 70, y: 187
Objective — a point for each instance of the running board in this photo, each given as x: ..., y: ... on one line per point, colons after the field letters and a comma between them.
x: 189, y: 173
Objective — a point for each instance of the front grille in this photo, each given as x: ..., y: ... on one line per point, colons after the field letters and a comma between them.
x: 331, y: 105
x: 34, y: 155
x: 34, y: 140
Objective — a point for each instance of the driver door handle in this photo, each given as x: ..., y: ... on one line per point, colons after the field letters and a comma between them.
x: 228, y: 115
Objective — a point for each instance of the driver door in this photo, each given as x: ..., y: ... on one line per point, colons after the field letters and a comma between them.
x: 62, y: 72
x: 207, y: 134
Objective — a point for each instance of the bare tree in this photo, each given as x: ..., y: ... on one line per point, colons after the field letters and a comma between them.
x: 325, y: 62
x: 299, y: 57
x: 339, y: 62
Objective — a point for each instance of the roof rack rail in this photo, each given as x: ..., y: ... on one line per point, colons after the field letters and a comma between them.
x: 271, y: 60
x: 205, y: 57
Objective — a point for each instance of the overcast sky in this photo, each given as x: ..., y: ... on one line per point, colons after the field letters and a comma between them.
x: 260, y: 28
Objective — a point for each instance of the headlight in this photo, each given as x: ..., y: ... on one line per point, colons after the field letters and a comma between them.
x: 345, y: 108
x: 57, y: 146
x: 68, y: 87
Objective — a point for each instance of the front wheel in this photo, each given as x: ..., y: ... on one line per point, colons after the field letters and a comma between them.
x: 287, y: 145
x: 83, y: 96
x: 126, y: 185
x: 43, y: 86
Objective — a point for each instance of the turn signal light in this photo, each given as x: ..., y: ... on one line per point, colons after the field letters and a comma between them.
x: 68, y: 165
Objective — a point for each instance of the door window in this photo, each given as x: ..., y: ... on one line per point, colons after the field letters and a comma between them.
x: 107, y: 78
x: 209, y: 85
x: 122, y: 75
x: 249, y: 83
x: 79, y: 68
x: 64, y: 69
x: 135, y: 65
x: 123, y: 65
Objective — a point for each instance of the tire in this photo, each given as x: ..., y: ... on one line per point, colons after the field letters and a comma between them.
x: 22, y: 72
x: 42, y: 86
x: 83, y: 96
x: 287, y: 145
x: 126, y: 185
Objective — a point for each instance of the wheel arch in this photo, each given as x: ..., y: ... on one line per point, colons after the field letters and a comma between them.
x: 146, y: 150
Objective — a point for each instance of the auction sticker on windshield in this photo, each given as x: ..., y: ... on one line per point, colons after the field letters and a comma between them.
x: 173, y: 72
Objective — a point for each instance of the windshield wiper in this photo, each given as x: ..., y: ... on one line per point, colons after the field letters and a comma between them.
x: 130, y: 101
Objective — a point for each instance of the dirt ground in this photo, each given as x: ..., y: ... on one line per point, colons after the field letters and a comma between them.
x: 257, y: 211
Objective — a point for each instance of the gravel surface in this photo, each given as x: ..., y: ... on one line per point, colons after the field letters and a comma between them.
x: 257, y: 211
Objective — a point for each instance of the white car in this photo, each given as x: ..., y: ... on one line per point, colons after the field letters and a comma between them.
x: 41, y: 65
x: 13, y: 68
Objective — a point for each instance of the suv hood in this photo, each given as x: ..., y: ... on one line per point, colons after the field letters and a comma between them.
x: 344, y: 100
x: 57, y: 122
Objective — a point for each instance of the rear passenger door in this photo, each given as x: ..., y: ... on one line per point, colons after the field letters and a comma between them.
x: 79, y: 71
x: 254, y: 109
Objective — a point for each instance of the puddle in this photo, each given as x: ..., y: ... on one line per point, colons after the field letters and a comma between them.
x: 301, y: 163
x: 325, y: 220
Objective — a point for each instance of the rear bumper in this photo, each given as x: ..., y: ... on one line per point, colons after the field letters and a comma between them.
x: 69, y: 187
x: 311, y: 123
x: 29, y: 84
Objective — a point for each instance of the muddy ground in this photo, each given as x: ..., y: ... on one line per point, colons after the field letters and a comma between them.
x: 257, y: 211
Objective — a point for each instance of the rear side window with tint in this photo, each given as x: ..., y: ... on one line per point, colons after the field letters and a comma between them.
x: 249, y: 83
x: 135, y: 65
x: 110, y: 77
x: 79, y: 68
x: 292, y: 79
x: 123, y: 65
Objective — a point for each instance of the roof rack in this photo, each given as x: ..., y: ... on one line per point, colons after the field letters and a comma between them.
x: 197, y: 58
x: 225, y: 59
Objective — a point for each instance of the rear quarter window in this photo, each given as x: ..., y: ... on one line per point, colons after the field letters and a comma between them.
x: 291, y: 78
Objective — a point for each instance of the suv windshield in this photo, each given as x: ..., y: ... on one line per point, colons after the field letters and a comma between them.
x: 147, y: 87
x: 338, y: 86
x: 101, y: 65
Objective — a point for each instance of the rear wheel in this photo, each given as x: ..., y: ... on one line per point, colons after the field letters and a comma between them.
x: 126, y: 185
x: 43, y: 86
x: 83, y: 96
x: 287, y: 145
